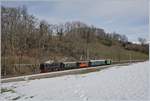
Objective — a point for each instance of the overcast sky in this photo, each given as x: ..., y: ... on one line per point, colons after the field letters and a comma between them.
x: 128, y: 17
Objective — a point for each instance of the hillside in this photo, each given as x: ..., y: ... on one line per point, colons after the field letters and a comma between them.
x: 26, y: 40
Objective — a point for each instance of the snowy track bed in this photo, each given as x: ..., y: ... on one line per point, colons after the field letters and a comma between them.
x: 60, y: 73
x: 125, y: 83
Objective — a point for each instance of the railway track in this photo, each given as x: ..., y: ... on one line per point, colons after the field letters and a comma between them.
x: 60, y: 73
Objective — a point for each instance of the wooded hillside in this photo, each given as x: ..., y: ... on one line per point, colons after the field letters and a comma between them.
x: 27, y: 40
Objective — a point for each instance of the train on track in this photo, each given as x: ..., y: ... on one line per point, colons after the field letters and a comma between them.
x: 50, y: 67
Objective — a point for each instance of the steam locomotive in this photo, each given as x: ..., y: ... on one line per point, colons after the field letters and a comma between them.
x: 50, y: 67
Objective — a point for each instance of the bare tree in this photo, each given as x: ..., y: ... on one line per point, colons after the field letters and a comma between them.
x: 142, y: 40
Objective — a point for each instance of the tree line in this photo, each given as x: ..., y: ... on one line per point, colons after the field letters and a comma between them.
x: 23, y: 35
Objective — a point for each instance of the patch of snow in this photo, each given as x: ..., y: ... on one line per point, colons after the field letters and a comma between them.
x: 116, y: 83
x: 49, y: 61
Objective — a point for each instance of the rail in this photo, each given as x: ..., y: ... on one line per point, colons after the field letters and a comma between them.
x: 61, y: 73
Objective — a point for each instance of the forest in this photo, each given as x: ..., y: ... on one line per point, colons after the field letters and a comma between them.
x: 27, y: 40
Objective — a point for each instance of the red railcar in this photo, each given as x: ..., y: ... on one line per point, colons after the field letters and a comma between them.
x: 83, y: 64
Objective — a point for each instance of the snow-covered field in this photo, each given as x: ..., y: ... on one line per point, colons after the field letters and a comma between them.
x: 116, y: 83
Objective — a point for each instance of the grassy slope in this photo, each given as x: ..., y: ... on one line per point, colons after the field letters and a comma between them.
x: 97, y: 50
x: 114, y: 52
